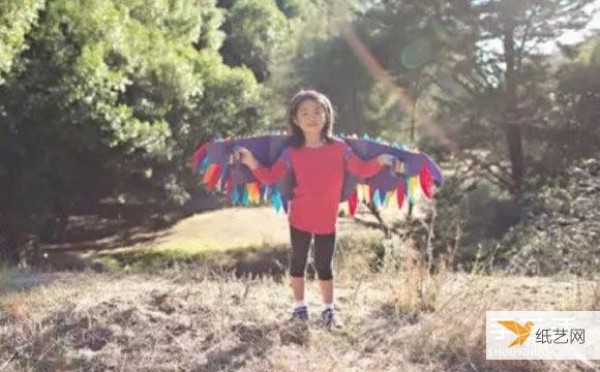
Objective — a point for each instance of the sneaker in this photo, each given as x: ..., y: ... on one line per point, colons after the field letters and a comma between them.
x: 300, y: 313
x: 330, y: 320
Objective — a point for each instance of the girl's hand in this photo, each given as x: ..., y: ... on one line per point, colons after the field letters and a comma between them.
x: 399, y: 167
x: 244, y: 156
x: 392, y: 162
x: 385, y: 159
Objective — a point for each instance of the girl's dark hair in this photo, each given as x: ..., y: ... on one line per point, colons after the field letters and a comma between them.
x: 297, y: 136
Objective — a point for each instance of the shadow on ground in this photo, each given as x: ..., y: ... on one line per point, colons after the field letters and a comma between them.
x: 107, y: 226
x: 268, y: 260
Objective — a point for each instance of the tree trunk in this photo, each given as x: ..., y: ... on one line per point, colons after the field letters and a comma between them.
x: 514, y: 137
x: 515, y: 152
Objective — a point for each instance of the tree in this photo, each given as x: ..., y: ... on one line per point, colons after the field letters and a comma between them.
x: 521, y: 26
x: 254, y: 28
x: 577, y: 104
x: 404, y: 39
x: 476, y: 67
x: 17, y: 17
x: 107, y: 99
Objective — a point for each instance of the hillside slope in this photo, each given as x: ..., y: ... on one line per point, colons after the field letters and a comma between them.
x: 197, y: 321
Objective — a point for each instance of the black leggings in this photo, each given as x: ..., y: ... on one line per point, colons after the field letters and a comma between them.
x: 324, y: 246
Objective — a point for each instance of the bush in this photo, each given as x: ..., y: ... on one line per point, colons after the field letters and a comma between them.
x: 561, y: 230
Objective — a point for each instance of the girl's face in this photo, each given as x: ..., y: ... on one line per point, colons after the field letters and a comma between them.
x: 310, y: 117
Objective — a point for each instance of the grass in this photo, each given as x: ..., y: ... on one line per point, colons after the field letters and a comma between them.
x: 189, y: 320
x: 206, y: 315
x: 267, y: 259
x: 225, y: 229
x: 228, y: 239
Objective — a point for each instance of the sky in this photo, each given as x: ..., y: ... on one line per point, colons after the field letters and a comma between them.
x: 569, y: 37
x: 573, y: 37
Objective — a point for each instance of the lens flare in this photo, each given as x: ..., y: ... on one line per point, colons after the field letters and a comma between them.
x: 380, y: 74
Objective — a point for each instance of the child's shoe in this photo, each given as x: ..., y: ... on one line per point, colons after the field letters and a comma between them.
x: 329, y: 318
x: 300, y: 313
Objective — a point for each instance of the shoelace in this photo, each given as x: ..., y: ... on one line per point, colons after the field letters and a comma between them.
x: 329, y: 316
x: 301, y: 312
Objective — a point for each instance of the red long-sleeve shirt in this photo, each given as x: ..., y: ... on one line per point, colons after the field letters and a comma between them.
x: 319, y: 176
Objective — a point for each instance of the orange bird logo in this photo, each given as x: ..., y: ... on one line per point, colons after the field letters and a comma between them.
x: 522, y: 332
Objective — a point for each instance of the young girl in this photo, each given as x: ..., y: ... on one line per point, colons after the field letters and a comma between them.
x: 318, y: 161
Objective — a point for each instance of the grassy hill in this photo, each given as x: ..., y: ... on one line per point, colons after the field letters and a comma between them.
x: 199, y: 316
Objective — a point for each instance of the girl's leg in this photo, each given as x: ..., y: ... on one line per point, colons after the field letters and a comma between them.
x: 324, y: 247
x: 298, y: 257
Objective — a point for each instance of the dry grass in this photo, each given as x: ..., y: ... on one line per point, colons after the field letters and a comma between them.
x: 185, y: 320
x: 398, y: 317
x: 235, y: 228
x: 248, y: 240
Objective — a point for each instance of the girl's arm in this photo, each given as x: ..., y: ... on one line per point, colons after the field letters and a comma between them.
x: 361, y: 168
x: 271, y: 175
x: 366, y: 169
x: 265, y: 175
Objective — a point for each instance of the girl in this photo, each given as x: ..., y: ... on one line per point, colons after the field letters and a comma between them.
x: 318, y: 161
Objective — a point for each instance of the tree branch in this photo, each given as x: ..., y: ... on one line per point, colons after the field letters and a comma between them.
x: 528, y: 27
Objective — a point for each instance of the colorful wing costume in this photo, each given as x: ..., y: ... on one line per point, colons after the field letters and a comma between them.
x: 386, y: 188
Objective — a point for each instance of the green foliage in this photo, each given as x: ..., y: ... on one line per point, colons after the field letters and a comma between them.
x: 409, y: 41
x: 109, y: 99
x: 250, y: 42
x: 577, y: 104
x: 449, y: 59
x: 292, y: 8
x: 17, y: 18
